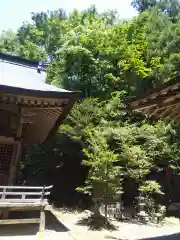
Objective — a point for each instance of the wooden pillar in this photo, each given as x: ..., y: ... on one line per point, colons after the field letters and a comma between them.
x: 14, y: 163
x: 42, y: 213
x: 4, y: 213
x: 42, y: 220
x: 17, y: 149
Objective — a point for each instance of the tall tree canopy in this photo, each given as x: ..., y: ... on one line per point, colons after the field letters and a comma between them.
x: 169, y: 7
x: 142, y: 5
x: 97, y: 53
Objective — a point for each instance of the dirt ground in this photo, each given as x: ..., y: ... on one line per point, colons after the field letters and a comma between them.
x: 80, y: 230
x: 74, y: 225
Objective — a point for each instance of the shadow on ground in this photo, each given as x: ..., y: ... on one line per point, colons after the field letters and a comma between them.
x: 95, y: 222
x: 52, y: 223
x: 167, y: 237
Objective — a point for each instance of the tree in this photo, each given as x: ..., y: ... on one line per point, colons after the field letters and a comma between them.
x: 104, y: 178
x: 142, y: 5
x: 148, y: 191
x: 136, y: 147
x: 9, y: 42
x: 169, y: 7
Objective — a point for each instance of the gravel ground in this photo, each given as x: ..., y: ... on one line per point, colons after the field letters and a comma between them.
x: 48, y: 235
x: 124, y: 231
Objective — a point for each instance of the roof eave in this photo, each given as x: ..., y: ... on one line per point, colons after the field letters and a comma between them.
x: 66, y: 111
x: 36, y: 93
x: 161, y: 90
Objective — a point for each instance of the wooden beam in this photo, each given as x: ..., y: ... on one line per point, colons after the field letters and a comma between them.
x: 155, y: 110
x: 8, y: 106
x: 158, y: 104
x: 164, y: 105
x: 28, y: 108
x: 172, y: 93
x: 171, y: 98
x: 163, y: 113
x: 26, y: 187
x: 23, y: 193
x: 20, y: 221
x: 20, y: 205
x: 144, y: 106
x: 177, y: 120
x: 163, y: 101
x: 18, y: 200
x: 147, y: 111
x: 177, y: 116
x: 6, y: 140
x: 51, y: 111
x: 47, y: 115
x: 173, y: 113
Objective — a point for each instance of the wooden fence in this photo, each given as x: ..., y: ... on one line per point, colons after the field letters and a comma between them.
x: 23, y: 198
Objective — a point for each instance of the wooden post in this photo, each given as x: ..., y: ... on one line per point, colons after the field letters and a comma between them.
x: 4, y: 193
x: 42, y: 220
x: 14, y: 163
x: 42, y: 213
x: 17, y: 149
x: 5, y: 212
x: 3, y: 197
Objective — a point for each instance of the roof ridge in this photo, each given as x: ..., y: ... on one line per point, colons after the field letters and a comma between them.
x: 18, y: 64
x: 17, y: 60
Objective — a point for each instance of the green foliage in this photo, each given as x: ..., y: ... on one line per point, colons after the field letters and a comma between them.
x: 169, y: 7
x: 142, y: 5
x: 150, y: 187
x: 104, y: 179
x: 9, y: 42
x: 128, y: 149
x: 148, y: 190
x: 108, y: 60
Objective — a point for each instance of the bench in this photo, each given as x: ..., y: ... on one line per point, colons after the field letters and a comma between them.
x: 23, y: 198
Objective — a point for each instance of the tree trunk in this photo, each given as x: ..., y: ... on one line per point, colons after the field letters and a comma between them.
x: 96, y: 207
x: 106, y: 209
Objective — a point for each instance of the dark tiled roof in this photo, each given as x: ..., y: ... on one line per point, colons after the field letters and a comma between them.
x: 22, y: 73
x: 19, y: 60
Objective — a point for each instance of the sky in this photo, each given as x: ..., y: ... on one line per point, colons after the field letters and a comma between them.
x: 14, y: 12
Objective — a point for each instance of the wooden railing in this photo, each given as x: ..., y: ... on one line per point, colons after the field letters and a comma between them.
x: 22, y: 198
